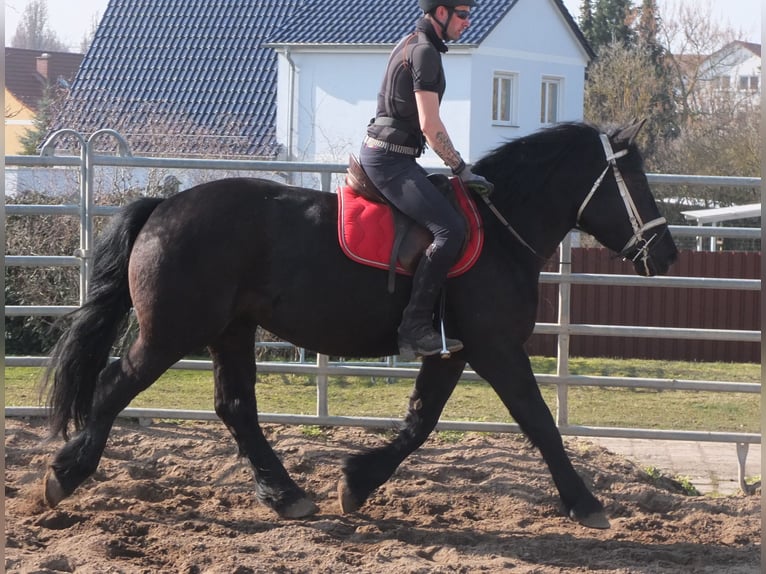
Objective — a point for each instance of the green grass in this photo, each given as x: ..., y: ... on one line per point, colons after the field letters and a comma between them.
x: 683, y: 482
x: 358, y: 396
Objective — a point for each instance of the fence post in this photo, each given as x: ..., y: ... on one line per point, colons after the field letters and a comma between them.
x: 322, y: 382
x: 49, y: 149
x: 86, y: 192
x: 326, y: 181
x: 87, y: 202
x: 742, y: 448
x: 562, y: 352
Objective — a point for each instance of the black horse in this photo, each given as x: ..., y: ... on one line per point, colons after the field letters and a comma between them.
x: 205, y: 267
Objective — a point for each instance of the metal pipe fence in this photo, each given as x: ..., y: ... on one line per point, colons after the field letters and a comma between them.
x: 323, y: 369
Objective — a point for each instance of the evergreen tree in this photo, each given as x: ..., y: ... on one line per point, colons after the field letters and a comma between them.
x: 611, y: 22
x: 647, y: 31
x: 586, y: 19
x: 34, y: 137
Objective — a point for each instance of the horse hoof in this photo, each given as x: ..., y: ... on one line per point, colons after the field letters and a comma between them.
x: 348, y: 503
x: 593, y: 520
x: 53, y: 493
x: 299, y: 509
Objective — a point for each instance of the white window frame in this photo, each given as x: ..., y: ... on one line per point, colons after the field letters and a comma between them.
x: 550, y: 115
x: 747, y: 83
x: 722, y: 83
x: 505, y: 93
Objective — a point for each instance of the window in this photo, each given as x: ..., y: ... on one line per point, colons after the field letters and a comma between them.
x: 550, y: 100
x: 748, y: 83
x: 504, y: 98
x: 722, y: 82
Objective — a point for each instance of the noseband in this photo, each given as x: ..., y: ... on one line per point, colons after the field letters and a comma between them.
x: 637, y: 242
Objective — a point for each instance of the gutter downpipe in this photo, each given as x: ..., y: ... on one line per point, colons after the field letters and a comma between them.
x: 290, y: 104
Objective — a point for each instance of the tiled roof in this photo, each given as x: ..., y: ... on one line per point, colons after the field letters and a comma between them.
x: 751, y: 46
x: 27, y: 83
x: 206, y: 66
x: 197, y: 65
x: 374, y: 22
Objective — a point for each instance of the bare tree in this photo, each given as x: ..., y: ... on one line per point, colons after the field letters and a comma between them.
x: 11, y: 111
x: 87, y: 38
x: 719, y: 129
x: 692, y: 36
x: 692, y: 129
x: 33, y: 32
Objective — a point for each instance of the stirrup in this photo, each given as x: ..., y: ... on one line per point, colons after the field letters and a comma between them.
x: 428, y: 345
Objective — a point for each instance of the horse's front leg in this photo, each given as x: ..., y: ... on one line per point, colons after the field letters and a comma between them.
x: 365, y: 472
x: 234, y: 372
x: 510, y: 374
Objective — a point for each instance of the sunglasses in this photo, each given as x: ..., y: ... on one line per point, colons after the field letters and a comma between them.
x: 462, y: 14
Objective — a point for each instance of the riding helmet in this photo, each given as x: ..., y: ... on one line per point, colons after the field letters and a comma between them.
x: 428, y: 5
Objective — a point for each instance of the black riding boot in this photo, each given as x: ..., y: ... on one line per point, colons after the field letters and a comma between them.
x: 416, y: 331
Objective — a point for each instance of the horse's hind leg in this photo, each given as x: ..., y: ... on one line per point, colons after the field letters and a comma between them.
x: 234, y: 369
x: 365, y: 472
x: 118, y: 384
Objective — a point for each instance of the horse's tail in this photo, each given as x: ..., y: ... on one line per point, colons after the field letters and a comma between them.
x: 82, y: 351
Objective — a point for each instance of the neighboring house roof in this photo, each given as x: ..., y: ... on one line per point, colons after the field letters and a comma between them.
x: 688, y: 65
x: 731, y: 55
x: 752, y: 47
x: 208, y: 66
x: 29, y: 72
x: 722, y: 61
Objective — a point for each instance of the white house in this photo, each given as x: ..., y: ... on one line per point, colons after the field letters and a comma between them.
x: 519, y: 67
x: 734, y: 70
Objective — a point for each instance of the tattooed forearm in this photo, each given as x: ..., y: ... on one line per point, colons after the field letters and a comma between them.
x: 443, y: 147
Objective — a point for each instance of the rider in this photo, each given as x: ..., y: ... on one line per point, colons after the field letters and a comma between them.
x: 407, y: 118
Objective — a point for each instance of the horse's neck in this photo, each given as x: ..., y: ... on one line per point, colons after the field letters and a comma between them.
x: 543, y: 224
x: 543, y: 210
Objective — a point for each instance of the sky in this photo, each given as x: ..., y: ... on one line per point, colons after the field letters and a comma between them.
x: 72, y: 20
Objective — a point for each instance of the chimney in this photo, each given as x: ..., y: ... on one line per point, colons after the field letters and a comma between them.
x: 42, y: 64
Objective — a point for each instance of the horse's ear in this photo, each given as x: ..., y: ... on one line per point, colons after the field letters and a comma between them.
x: 628, y: 134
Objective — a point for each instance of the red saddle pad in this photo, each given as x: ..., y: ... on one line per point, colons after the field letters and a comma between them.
x: 366, y: 230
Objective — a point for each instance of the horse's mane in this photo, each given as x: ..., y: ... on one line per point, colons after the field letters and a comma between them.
x: 522, y: 165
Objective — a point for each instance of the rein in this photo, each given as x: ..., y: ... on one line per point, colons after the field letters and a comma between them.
x: 507, y: 225
x: 639, y: 227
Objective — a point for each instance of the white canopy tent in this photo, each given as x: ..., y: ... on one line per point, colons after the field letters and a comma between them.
x: 716, y: 215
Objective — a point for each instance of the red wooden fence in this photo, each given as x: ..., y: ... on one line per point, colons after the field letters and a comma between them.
x: 657, y: 307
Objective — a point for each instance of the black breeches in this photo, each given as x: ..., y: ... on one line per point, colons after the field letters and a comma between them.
x: 404, y: 183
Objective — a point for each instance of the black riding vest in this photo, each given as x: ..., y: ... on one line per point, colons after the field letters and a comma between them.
x: 414, y: 64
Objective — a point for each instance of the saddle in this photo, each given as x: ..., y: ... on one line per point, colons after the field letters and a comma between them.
x: 373, y: 232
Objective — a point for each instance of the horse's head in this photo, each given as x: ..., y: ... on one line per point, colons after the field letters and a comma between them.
x: 620, y: 211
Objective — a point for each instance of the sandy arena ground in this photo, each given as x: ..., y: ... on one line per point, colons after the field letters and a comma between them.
x: 173, y: 497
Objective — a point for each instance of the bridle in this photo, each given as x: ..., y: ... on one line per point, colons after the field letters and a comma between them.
x: 637, y: 242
